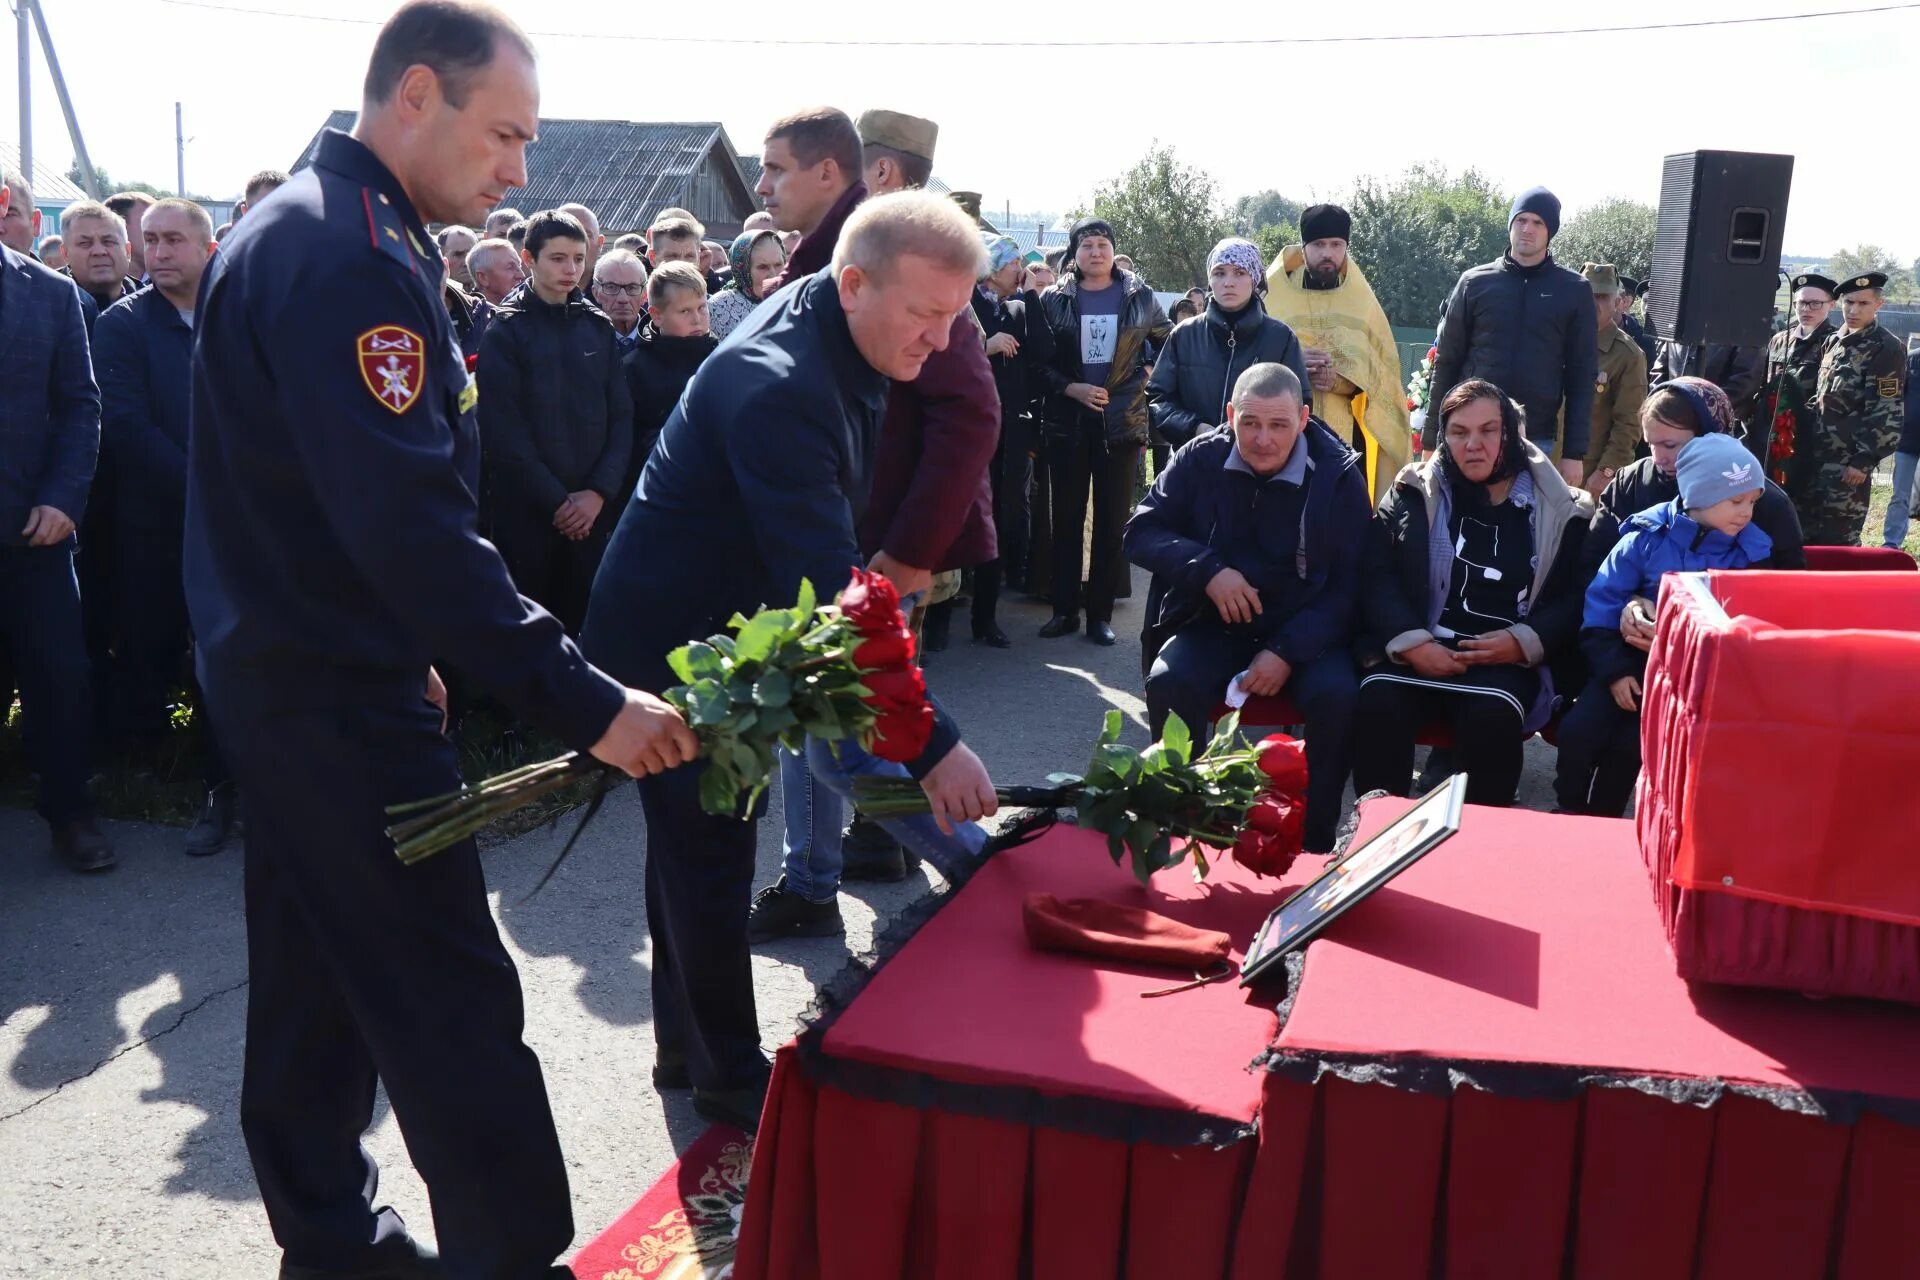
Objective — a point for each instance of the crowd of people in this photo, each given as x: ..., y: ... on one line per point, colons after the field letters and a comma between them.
x: 382, y: 428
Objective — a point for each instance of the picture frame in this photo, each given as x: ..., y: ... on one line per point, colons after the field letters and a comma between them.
x: 1430, y: 822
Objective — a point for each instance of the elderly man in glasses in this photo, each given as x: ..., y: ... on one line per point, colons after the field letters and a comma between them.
x: 620, y: 287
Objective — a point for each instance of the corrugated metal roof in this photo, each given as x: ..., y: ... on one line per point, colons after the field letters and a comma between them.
x: 50, y: 186
x: 749, y: 169
x: 625, y: 171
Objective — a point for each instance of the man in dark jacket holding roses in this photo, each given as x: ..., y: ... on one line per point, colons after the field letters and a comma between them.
x: 1257, y: 535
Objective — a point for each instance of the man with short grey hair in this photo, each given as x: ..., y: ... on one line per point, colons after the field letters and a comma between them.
x: 52, y: 252
x: 496, y: 269
x: 1257, y: 535
x: 21, y: 222
x: 620, y: 287
x: 501, y: 221
x: 97, y: 253
x: 456, y: 242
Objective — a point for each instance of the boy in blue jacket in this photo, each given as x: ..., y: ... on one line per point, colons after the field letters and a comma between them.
x: 1709, y: 526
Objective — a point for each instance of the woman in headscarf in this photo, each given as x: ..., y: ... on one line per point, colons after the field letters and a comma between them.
x: 756, y: 257
x: 1471, y: 587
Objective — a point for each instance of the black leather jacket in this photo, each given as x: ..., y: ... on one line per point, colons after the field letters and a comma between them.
x: 1143, y: 329
x: 1194, y: 374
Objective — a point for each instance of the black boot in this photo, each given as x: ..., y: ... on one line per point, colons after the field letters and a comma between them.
x: 391, y: 1260
x: 80, y: 845
x: 1100, y: 632
x: 937, y: 628
x: 210, y: 831
x: 778, y: 912
x: 1061, y: 624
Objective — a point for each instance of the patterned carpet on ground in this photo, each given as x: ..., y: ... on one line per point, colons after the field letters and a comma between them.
x: 685, y: 1225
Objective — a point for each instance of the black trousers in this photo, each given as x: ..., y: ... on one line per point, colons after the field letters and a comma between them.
x: 1484, y: 708
x: 1599, y: 755
x: 1085, y: 467
x: 1191, y: 674
x: 41, y: 630
x: 362, y: 968
x: 155, y: 647
x: 548, y: 567
x: 699, y: 890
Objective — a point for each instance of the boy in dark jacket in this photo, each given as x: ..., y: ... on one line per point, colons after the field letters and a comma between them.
x: 556, y: 424
x: 1709, y: 526
x: 1257, y: 535
x: 663, y: 361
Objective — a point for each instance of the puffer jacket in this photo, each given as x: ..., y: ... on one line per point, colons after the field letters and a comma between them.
x: 555, y: 413
x: 1654, y: 543
x: 1194, y: 373
x: 1644, y: 485
x: 1532, y: 332
x: 1143, y: 330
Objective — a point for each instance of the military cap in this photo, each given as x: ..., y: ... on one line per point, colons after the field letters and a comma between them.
x: 1604, y: 280
x: 909, y: 135
x: 1628, y: 285
x: 969, y: 202
x: 1812, y: 280
x: 1871, y: 280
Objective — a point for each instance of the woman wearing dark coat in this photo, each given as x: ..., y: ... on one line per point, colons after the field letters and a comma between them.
x: 1472, y: 588
x: 1106, y: 325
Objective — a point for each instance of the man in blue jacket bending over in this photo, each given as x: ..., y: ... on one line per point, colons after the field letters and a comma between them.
x: 758, y: 480
x: 1257, y: 535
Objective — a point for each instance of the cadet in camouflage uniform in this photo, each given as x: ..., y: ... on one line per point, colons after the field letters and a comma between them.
x: 1860, y: 396
x: 1785, y: 419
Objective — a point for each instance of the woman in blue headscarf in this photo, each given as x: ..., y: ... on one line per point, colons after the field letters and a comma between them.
x: 757, y: 257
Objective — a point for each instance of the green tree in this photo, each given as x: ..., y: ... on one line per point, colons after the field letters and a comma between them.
x: 1166, y: 216
x: 110, y: 187
x: 1416, y: 233
x: 1273, y: 238
x: 1263, y: 209
x: 1615, y: 231
x: 1863, y: 258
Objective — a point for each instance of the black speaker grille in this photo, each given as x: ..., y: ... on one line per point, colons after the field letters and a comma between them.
x: 1716, y: 249
x: 1670, y: 239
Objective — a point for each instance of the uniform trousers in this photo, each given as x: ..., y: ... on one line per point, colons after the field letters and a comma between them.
x: 41, y: 630
x: 1599, y: 755
x: 363, y: 969
x: 1190, y: 676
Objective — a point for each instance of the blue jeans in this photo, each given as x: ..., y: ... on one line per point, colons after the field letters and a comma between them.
x: 810, y: 840
x: 1900, y: 506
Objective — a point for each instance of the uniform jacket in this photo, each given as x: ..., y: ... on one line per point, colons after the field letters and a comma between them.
x: 1654, y: 543
x: 470, y: 314
x: 1200, y: 513
x: 555, y: 414
x: 1631, y: 326
x: 657, y: 371
x: 142, y: 355
x: 1143, y: 328
x: 931, y: 505
x: 1861, y: 398
x: 1397, y: 589
x: 1619, y: 387
x: 1643, y: 485
x: 331, y: 528
x: 49, y: 404
x: 1785, y: 420
x: 1193, y: 374
x: 1529, y: 331
x: 758, y: 480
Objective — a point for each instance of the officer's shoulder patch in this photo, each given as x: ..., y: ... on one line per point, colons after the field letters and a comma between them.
x: 393, y: 364
x: 385, y: 228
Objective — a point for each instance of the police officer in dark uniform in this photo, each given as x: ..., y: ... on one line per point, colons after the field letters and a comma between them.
x: 331, y: 553
x: 1785, y: 419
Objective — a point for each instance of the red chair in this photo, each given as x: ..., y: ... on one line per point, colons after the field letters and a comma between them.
x: 1859, y: 559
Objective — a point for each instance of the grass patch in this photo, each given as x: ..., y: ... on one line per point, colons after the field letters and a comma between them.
x: 160, y: 780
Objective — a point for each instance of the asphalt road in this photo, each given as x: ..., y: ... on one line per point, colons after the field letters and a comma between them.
x: 123, y: 998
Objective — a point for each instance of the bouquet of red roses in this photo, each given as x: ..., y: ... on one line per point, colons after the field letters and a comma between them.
x: 830, y: 671
x: 1228, y: 797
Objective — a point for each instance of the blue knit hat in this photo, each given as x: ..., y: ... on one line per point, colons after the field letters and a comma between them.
x: 1714, y: 468
x: 1538, y: 200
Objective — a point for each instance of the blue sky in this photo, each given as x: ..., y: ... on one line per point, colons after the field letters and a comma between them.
x: 1590, y: 116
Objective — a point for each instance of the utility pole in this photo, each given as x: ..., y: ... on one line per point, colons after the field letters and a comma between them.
x: 88, y: 178
x: 179, y: 155
x: 23, y: 26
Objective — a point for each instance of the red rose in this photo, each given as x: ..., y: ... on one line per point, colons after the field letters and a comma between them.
x: 895, y: 688
x: 886, y: 649
x: 1262, y: 854
x: 901, y: 734
x: 1284, y: 760
x: 1268, y: 816
x: 871, y: 604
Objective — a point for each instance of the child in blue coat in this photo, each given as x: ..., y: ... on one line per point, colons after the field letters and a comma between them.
x: 1709, y: 526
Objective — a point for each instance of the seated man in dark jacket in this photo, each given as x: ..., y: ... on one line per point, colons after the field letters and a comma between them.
x: 759, y: 480
x: 1257, y: 536
x: 556, y: 424
x: 663, y: 361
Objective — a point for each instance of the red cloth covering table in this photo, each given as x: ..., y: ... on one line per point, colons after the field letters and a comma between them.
x: 1490, y: 1069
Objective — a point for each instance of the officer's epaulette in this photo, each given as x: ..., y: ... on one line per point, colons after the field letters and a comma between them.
x: 386, y: 228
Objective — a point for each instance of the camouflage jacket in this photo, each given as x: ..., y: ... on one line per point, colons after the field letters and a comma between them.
x: 1861, y: 396
x: 1785, y: 419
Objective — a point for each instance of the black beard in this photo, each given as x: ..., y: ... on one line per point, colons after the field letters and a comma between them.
x: 1322, y: 278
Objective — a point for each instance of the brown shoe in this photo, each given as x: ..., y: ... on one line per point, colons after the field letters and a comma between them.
x: 80, y: 845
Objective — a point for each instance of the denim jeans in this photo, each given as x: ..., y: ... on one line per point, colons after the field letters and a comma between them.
x: 1900, y: 505
x: 837, y: 764
x: 810, y: 840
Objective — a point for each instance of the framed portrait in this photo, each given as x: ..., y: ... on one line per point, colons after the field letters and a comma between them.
x: 1410, y: 837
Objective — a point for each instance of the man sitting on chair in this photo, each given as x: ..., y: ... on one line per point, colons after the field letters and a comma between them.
x: 1257, y: 535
